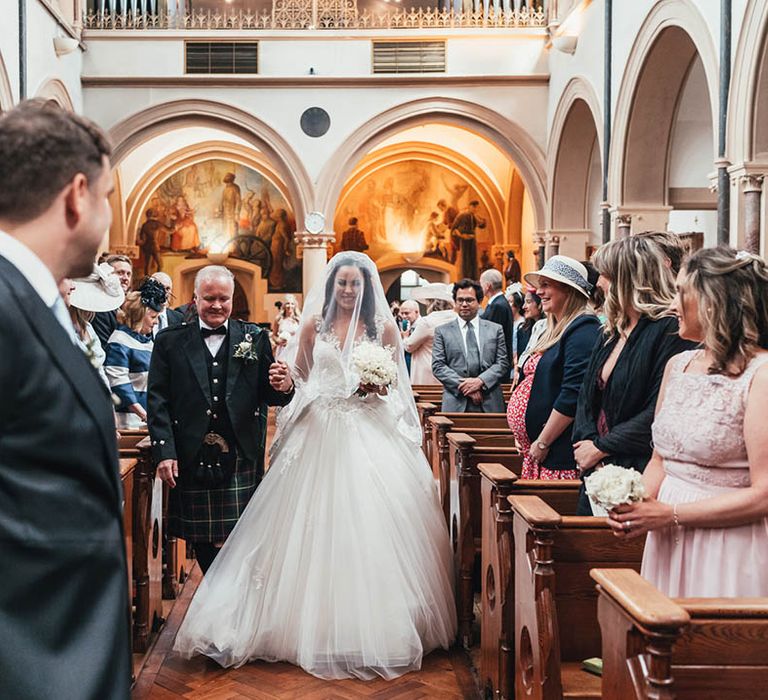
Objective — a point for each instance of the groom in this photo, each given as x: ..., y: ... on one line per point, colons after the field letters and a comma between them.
x: 210, y: 383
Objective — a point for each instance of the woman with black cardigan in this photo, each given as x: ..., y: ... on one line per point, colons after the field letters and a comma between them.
x: 618, y: 397
x: 542, y: 408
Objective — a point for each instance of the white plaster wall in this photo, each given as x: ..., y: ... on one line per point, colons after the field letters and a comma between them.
x: 692, y: 157
x: 595, y: 197
x: 42, y: 63
x: 687, y: 221
x: 9, y: 44
x: 349, y: 108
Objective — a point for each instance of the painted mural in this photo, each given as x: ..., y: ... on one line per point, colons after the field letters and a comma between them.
x: 219, y: 206
x: 417, y: 208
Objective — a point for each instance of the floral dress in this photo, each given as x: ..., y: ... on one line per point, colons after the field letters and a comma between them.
x: 518, y: 405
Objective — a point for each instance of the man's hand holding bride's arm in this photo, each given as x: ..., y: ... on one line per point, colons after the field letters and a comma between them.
x: 280, y: 377
x: 374, y: 389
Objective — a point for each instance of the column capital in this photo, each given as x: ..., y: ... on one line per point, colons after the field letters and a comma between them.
x: 314, y: 240
x: 752, y: 182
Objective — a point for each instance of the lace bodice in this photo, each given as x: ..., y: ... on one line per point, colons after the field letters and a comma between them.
x: 701, y: 419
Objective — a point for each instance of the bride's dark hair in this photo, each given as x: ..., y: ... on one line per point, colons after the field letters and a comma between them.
x: 367, y: 304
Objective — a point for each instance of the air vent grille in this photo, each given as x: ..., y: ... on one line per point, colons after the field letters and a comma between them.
x: 409, y: 57
x: 222, y: 56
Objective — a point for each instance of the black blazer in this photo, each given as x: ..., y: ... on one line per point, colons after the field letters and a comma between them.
x: 499, y: 312
x: 64, y: 594
x: 629, y: 399
x: 175, y: 318
x: 556, y: 384
x: 179, y: 400
x: 104, y: 322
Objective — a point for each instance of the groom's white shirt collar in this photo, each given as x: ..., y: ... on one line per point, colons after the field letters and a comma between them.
x: 29, y: 265
x: 213, y: 342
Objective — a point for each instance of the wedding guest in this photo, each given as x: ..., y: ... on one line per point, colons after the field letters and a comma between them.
x: 514, y: 295
x: 706, y: 513
x: 129, y: 351
x: 497, y: 310
x: 104, y: 322
x: 420, y: 341
x: 542, y: 407
x: 100, y: 291
x: 167, y: 317
x: 286, y: 323
x: 469, y: 357
x: 671, y: 244
x: 533, y: 325
x: 621, y: 385
x: 64, y: 596
x: 410, y: 313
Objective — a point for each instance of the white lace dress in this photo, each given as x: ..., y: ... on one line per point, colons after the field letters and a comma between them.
x: 699, y: 431
x: 341, y: 563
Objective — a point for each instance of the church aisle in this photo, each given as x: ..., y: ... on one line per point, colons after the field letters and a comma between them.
x: 166, y: 676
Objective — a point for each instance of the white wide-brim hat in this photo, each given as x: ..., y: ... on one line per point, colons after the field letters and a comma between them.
x: 100, y: 291
x: 432, y: 291
x: 565, y: 270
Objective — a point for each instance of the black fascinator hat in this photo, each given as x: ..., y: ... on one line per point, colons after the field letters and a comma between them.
x: 153, y: 294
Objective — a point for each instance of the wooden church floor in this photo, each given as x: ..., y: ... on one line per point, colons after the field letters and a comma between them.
x: 166, y: 676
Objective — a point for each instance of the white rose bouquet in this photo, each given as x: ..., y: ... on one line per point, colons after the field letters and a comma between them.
x: 375, y: 366
x: 613, y: 486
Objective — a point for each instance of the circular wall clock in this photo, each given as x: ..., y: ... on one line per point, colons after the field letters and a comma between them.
x: 315, y: 122
x: 314, y: 222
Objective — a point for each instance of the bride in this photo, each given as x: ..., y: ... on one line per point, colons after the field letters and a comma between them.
x: 341, y: 562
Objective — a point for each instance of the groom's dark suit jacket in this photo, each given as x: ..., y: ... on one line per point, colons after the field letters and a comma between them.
x: 179, y: 399
x: 64, y: 627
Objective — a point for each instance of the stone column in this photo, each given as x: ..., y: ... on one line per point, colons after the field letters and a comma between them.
x: 554, y: 246
x: 623, y: 224
x: 753, y: 190
x: 315, y: 255
x: 541, y: 251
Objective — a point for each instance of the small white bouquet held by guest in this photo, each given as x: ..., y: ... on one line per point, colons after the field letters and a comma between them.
x: 376, y: 368
x: 613, y: 486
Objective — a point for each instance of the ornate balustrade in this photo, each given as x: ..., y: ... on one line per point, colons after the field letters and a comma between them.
x: 316, y: 14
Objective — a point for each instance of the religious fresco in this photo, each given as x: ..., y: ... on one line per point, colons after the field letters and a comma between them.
x: 419, y: 209
x: 218, y: 206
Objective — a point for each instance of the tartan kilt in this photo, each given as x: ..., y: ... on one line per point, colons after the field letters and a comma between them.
x: 209, y: 515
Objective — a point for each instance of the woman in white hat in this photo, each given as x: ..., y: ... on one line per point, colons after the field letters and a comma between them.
x: 100, y: 291
x: 542, y: 408
x: 419, y: 342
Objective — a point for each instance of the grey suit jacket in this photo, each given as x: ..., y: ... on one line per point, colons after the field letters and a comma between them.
x: 449, y: 365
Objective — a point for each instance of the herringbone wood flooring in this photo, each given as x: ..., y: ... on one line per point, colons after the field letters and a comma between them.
x: 166, y: 676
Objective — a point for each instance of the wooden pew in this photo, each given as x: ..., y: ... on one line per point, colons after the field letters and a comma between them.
x: 127, y: 470
x: 439, y: 425
x: 465, y: 454
x: 684, y: 649
x: 426, y: 410
x: 497, y: 601
x: 147, y: 548
x: 556, y: 624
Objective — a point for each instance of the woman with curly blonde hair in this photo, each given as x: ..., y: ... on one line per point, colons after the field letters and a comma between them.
x: 706, y: 513
x: 618, y: 397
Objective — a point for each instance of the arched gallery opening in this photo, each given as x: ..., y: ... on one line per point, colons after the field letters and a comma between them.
x: 405, y: 200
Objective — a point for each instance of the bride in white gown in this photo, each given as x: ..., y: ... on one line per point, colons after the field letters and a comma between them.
x: 341, y: 563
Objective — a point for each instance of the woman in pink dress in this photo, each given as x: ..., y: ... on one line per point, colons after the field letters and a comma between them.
x: 707, y: 511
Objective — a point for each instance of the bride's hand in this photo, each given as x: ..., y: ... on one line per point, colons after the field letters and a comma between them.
x: 373, y: 389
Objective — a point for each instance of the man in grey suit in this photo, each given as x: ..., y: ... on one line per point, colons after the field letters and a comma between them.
x: 469, y: 356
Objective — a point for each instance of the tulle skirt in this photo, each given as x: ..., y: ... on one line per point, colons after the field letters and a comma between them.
x: 340, y: 564
x: 706, y: 562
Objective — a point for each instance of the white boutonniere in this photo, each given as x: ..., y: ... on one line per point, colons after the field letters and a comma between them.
x: 244, y: 350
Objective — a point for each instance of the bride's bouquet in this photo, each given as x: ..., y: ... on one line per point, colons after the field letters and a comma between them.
x: 374, y: 364
x: 613, y: 486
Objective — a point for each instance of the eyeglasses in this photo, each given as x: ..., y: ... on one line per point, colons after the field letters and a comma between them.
x: 466, y: 302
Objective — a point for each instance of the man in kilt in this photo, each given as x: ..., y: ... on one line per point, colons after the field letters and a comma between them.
x: 210, y: 384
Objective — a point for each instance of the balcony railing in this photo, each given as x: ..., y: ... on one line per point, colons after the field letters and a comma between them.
x: 320, y: 14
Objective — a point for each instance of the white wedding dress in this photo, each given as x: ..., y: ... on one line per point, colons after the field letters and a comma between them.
x: 341, y: 563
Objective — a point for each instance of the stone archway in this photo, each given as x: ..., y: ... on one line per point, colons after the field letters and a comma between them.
x: 6, y: 92
x: 574, y: 168
x: 673, y: 37
x: 54, y: 90
x: 157, y: 120
x: 511, y: 138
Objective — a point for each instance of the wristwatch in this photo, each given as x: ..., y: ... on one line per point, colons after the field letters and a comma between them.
x: 542, y: 445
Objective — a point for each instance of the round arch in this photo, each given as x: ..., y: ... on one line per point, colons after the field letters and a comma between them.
x: 53, y: 89
x: 6, y: 92
x: 575, y: 134
x: 511, y: 138
x: 673, y: 35
x: 747, y: 128
x: 138, y: 198
x: 142, y: 126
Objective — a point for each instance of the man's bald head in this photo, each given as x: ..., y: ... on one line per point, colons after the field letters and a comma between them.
x: 410, y: 311
x: 166, y: 281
